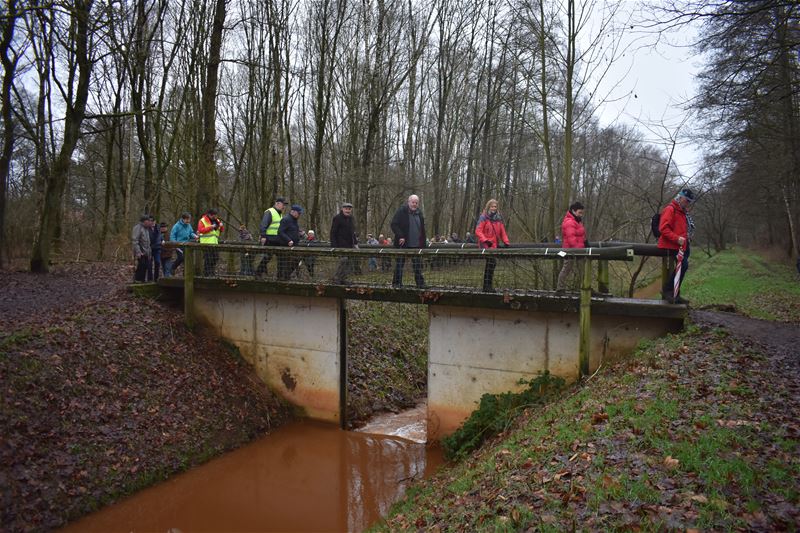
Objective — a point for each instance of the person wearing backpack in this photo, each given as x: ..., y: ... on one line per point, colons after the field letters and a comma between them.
x: 673, y: 227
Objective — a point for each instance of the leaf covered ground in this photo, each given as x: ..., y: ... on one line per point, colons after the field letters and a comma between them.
x: 103, y: 393
x: 387, y: 352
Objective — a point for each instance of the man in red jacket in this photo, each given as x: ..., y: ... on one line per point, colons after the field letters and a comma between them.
x: 573, y: 235
x: 674, y: 228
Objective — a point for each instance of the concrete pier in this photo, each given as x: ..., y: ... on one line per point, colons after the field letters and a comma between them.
x: 293, y: 342
x: 475, y: 351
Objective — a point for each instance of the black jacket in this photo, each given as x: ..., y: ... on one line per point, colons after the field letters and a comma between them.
x: 343, y: 232
x: 400, y: 225
x: 289, y: 230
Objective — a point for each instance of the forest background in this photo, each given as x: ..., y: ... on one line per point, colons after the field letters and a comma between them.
x: 114, y: 109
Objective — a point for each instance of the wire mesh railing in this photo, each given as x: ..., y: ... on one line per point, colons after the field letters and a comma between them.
x: 465, y: 268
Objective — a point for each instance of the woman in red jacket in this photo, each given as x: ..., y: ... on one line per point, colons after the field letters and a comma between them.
x: 491, y: 233
x: 573, y: 235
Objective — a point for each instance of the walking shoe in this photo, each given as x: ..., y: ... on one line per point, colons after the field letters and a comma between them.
x: 681, y: 301
x: 488, y: 288
x: 561, y: 292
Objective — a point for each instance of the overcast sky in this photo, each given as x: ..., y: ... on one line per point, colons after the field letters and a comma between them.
x: 649, y: 86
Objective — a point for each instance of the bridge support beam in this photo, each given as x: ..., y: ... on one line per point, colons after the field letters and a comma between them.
x: 293, y: 342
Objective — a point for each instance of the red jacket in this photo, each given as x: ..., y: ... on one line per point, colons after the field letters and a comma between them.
x: 672, y: 224
x: 490, y: 231
x: 573, y: 234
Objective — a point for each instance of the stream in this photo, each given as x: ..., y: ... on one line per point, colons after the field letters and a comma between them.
x: 304, y: 476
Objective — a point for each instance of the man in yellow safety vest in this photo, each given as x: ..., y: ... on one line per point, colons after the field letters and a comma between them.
x: 270, y: 223
x: 209, y: 228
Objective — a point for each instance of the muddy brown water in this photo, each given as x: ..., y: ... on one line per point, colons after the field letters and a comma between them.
x: 305, y: 476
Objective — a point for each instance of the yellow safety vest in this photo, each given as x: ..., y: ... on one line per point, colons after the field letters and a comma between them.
x: 275, y: 222
x: 212, y: 237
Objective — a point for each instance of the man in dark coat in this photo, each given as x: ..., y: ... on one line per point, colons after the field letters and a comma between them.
x: 408, y: 226
x: 289, y: 235
x: 343, y: 235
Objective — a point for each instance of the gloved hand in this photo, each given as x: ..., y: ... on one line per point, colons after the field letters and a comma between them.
x: 488, y: 244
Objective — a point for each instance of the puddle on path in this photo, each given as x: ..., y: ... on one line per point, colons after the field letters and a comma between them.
x: 305, y: 476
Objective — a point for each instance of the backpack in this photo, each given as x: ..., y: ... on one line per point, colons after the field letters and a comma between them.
x: 654, y: 222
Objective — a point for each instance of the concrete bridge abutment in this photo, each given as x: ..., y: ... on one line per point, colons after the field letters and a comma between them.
x: 475, y: 351
x: 293, y: 342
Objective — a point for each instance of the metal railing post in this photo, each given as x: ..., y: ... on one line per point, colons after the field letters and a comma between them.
x: 188, y: 286
x: 584, y: 347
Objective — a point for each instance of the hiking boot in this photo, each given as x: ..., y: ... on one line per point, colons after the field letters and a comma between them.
x: 488, y: 288
x: 682, y: 301
x: 561, y: 292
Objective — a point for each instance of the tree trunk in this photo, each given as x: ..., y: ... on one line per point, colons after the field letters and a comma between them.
x: 9, y: 70
x: 56, y: 181
x: 208, y: 187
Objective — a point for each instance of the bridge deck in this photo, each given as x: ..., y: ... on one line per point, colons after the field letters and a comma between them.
x: 532, y: 300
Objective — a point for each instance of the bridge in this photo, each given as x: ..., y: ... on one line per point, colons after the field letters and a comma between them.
x: 288, y: 319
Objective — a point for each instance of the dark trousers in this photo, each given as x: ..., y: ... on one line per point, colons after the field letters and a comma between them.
x: 416, y: 263
x: 488, y: 273
x: 155, y: 265
x: 141, y: 268
x: 342, y: 270
x: 210, y: 258
x: 287, y: 263
x: 178, y: 261
x: 262, y: 265
x: 246, y: 264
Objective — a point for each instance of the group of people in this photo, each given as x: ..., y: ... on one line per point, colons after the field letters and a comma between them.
x: 149, y: 254
x: 408, y: 225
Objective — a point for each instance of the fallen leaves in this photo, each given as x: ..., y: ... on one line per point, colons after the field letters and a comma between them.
x: 111, y: 394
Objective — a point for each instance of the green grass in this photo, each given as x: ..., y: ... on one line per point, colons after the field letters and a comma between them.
x: 745, y: 280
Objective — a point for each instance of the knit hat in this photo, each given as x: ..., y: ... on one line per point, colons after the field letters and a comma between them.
x: 297, y: 208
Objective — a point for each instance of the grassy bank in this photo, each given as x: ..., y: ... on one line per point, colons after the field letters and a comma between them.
x: 744, y: 281
x: 694, y: 431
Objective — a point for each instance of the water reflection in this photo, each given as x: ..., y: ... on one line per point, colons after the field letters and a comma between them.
x: 303, y: 477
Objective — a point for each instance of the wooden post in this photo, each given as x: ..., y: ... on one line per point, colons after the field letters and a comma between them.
x: 585, y: 318
x: 602, y: 276
x: 188, y: 286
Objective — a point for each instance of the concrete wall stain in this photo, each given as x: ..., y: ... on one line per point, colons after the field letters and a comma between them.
x: 288, y: 380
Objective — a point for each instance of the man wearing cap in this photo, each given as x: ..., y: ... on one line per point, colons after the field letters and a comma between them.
x: 289, y: 235
x: 140, y: 239
x: 674, y: 227
x: 268, y: 231
x: 343, y: 235
x: 408, y: 226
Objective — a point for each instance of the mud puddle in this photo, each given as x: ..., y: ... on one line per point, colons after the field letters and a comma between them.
x: 303, y: 477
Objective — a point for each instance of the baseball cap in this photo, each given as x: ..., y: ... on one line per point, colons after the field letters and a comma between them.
x: 347, y: 204
x: 280, y: 199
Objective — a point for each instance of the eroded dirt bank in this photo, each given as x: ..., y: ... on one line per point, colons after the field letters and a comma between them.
x: 104, y: 393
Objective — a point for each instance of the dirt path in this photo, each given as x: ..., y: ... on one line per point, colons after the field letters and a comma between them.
x: 779, y: 337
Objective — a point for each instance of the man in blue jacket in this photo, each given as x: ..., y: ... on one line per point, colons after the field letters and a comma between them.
x: 182, y: 231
